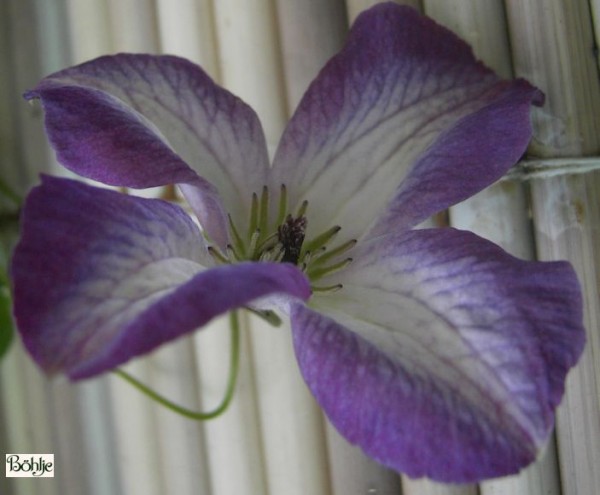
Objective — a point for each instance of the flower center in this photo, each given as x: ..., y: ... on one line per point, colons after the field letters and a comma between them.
x: 284, y: 241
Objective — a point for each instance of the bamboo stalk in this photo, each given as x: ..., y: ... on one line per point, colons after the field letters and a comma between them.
x: 551, y: 43
x: 67, y: 430
x: 567, y: 223
x: 133, y: 25
x: 251, y: 67
x: 352, y: 471
x: 551, y: 46
x: 595, y: 6
x: 355, y: 7
x: 292, y: 427
x: 25, y: 73
x: 54, y: 51
x: 16, y: 402
x: 187, y: 29
x: 36, y: 42
x: 180, y: 441
x: 89, y: 28
x: 137, y: 448
x: 249, y: 59
x: 310, y: 34
x: 181, y: 453
x: 98, y: 441
x: 8, y: 101
x: 233, y: 439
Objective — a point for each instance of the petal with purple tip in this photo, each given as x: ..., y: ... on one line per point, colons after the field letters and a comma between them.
x: 403, y: 90
x: 443, y: 356
x: 100, y: 277
x: 141, y: 121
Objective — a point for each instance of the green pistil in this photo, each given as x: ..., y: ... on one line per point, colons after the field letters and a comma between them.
x: 321, y: 240
x: 319, y: 272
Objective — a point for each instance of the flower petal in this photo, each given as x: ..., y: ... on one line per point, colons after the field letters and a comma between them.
x: 443, y: 356
x: 100, y: 277
x: 402, y: 90
x: 140, y: 120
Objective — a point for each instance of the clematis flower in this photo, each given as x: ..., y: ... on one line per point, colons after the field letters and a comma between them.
x: 432, y: 349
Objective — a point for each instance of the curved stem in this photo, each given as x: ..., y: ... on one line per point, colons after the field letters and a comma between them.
x: 234, y: 362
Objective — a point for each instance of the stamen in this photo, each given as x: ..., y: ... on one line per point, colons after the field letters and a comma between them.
x: 278, y: 252
x: 232, y: 253
x: 302, y: 209
x: 252, y: 251
x: 253, y: 216
x: 328, y: 255
x: 268, y: 243
x: 321, y: 239
x: 263, y: 222
x: 217, y: 255
x: 282, y: 205
x: 327, y: 289
x: 238, y: 243
x: 306, y: 258
x: 317, y: 273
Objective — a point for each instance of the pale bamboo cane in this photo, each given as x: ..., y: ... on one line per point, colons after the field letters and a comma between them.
x: 310, y: 33
x: 595, y: 6
x: 233, y: 440
x: 355, y: 7
x: 551, y: 43
x: 251, y: 68
x: 133, y: 25
x: 187, y: 29
x: 567, y: 223
x: 40, y: 397
x: 89, y: 27
x: 181, y: 441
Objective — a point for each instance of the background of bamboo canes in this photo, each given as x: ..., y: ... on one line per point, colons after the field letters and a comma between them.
x: 274, y: 440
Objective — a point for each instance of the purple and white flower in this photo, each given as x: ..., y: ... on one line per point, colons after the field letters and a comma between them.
x: 434, y: 350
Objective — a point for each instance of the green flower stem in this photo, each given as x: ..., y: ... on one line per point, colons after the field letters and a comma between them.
x: 234, y: 361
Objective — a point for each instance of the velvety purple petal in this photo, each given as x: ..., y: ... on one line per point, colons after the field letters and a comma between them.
x: 443, y: 356
x: 141, y: 121
x: 394, y: 105
x: 100, y: 277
